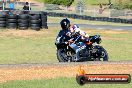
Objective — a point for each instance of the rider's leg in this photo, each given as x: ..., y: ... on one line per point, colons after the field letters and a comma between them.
x: 77, y: 55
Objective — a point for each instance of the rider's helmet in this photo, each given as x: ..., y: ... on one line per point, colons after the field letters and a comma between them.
x: 65, y: 24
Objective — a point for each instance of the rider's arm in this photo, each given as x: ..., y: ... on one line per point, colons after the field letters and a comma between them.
x: 58, y: 37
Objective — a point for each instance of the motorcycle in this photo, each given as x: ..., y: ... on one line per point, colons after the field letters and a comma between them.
x: 78, y: 50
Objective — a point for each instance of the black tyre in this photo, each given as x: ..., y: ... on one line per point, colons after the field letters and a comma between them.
x: 35, y: 25
x: 2, y: 25
x: 2, y: 15
x: 11, y: 25
x: 11, y: 20
x: 101, y: 52
x: 2, y: 22
x: 34, y: 21
x: 23, y: 28
x: 35, y: 28
x: 23, y: 21
x: 62, y: 57
x: 22, y: 25
x: 2, y: 19
x: 13, y: 16
x: 34, y: 17
x: 23, y: 16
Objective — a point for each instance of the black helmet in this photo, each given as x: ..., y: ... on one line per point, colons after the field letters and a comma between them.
x: 65, y: 23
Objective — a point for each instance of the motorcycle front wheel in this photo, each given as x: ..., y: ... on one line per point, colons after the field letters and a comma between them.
x: 101, y: 53
x: 62, y: 56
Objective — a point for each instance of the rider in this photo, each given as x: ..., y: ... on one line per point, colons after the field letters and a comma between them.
x: 62, y: 37
x: 68, y: 31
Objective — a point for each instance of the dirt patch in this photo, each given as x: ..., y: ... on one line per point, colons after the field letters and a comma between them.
x: 46, y: 72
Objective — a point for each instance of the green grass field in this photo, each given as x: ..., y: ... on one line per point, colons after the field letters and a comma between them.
x: 58, y: 83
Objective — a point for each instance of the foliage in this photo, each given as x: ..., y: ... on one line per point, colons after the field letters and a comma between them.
x: 59, y: 2
x: 123, y: 5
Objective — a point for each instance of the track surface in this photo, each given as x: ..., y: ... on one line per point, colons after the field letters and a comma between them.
x: 53, y: 70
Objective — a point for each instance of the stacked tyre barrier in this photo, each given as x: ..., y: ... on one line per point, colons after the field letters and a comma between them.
x: 11, y: 21
x: 84, y: 17
x: 2, y: 21
x: 35, y: 22
x: 23, y: 21
x: 44, y: 20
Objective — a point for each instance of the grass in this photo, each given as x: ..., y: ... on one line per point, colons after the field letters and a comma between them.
x: 40, y: 0
x: 58, y: 83
x: 30, y: 49
x: 30, y: 46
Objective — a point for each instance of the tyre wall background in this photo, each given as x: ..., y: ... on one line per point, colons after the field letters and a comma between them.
x: 15, y: 21
x: 33, y: 20
x: 84, y: 17
x: 2, y: 21
x: 11, y: 21
x: 23, y: 21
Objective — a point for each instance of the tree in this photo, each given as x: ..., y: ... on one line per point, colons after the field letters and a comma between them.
x: 60, y: 2
x: 109, y: 2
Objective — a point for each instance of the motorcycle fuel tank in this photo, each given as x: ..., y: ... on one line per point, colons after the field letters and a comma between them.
x: 77, y: 47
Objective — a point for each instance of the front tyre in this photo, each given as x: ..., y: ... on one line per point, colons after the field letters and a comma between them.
x: 62, y: 56
x: 101, y: 53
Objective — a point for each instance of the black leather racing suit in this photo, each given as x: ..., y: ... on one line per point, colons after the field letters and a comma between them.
x: 62, y: 37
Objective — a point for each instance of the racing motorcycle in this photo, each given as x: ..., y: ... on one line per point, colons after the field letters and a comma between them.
x: 76, y: 50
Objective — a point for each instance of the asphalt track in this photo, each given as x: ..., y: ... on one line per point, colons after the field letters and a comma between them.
x: 93, y: 26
